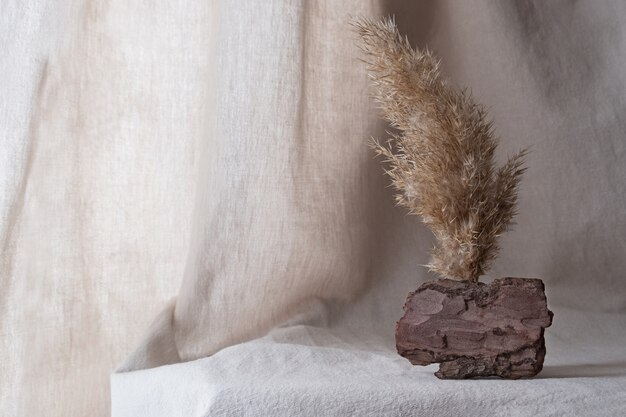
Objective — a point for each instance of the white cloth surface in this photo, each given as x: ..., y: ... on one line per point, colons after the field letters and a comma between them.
x: 223, y: 144
x: 313, y: 371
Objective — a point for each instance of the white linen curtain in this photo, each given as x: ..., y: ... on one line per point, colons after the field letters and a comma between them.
x: 215, y: 151
x: 105, y: 103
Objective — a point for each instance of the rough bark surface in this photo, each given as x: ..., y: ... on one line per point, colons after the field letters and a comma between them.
x: 476, y: 329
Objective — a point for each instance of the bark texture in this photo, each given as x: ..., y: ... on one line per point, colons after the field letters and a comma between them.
x: 476, y: 329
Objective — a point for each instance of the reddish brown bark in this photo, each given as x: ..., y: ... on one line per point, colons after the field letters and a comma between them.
x: 476, y: 329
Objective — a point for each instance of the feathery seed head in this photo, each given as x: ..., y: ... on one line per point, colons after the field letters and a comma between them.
x: 441, y: 161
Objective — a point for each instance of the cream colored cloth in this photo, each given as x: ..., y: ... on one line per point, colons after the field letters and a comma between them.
x: 102, y: 105
x: 223, y: 144
x: 332, y: 370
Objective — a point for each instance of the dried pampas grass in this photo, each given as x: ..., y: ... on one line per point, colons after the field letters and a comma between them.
x: 441, y: 160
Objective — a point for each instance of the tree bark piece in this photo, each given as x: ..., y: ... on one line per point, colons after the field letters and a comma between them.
x: 476, y: 329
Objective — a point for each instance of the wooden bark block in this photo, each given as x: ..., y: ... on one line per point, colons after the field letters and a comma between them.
x: 476, y: 329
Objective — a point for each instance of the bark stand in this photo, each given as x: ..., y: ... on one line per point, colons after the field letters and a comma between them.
x: 476, y: 329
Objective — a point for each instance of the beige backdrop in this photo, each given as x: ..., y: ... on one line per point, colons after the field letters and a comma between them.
x: 221, y: 146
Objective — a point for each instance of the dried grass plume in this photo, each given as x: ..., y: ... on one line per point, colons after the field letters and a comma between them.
x: 441, y: 158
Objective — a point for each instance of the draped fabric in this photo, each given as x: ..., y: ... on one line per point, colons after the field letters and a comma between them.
x: 105, y: 102
x: 203, y: 166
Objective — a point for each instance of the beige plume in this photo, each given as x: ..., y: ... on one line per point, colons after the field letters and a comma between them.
x: 441, y: 158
